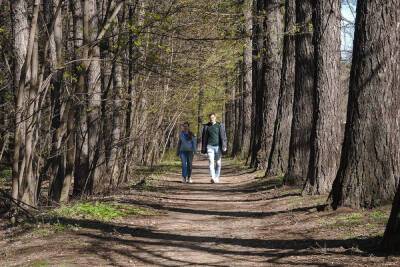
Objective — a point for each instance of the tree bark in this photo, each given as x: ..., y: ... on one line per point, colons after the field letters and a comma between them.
x: 299, y: 148
x: 370, y: 163
x: 326, y: 137
x: 279, y: 156
x: 272, y: 74
x: 247, y: 87
x: 391, y: 237
x: 257, y: 81
x: 20, y: 26
x: 81, y: 169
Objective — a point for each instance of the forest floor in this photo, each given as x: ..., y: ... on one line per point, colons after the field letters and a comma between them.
x: 245, y: 220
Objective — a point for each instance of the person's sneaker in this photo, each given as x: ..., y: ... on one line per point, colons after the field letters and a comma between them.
x: 216, y: 181
x: 190, y: 180
x: 183, y: 179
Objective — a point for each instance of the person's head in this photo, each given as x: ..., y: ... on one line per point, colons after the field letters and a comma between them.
x: 185, y: 126
x: 186, y: 129
x: 212, y: 117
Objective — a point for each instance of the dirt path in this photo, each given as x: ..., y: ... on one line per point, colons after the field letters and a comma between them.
x: 233, y: 223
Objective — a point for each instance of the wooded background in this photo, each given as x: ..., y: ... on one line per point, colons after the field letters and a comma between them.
x: 89, y: 89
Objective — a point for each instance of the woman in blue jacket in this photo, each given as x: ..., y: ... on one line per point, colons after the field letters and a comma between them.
x: 186, y: 149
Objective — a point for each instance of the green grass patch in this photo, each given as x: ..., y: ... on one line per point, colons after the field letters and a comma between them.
x: 43, y: 230
x: 379, y: 216
x: 100, y: 211
x: 355, y: 224
x: 39, y: 263
x: 5, y: 176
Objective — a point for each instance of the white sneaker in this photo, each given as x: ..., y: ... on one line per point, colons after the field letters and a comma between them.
x: 216, y: 181
x: 183, y: 179
x: 190, y: 180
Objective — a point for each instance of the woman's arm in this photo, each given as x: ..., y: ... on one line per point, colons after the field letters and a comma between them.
x: 178, y: 149
x: 194, y: 143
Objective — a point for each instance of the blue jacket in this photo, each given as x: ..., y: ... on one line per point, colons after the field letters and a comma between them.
x: 185, y: 144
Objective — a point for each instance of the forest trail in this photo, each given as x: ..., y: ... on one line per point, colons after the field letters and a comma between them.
x: 243, y: 221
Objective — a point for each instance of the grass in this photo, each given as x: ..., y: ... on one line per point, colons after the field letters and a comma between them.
x: 361, y: 223
x: 39, y: 263
x: 99, y: 211
x: 5, y: 176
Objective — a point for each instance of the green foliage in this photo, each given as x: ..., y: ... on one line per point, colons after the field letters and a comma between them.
x: 362, y: 223
x: 5, y: 176
x: 100, y: 211
x: 39, y: 263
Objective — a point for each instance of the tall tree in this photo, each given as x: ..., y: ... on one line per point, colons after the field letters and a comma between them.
x: 299, y: 148
x: 257, y: 80
x: 269, y: 92
x: 25, y: 175
x: 370, y: 163
x: 326, y: 136
x: 279, y: 156
x: 247, y: 76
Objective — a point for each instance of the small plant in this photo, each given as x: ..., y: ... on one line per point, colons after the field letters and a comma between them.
x: 100, y: 211
x: 39, y: 263
x: 379, y: 216
x: 5, y: 175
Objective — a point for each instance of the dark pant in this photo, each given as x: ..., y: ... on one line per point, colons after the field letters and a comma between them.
x: 187, y: 159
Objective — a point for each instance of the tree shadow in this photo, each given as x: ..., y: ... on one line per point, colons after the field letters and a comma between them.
x: 152, y: 247
x: 238, y: 214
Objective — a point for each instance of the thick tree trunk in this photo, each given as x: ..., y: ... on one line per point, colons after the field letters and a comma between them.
x: 299, y: 148
x: 326, y: 137
x: 272, y: 74
x: 247, y: 87
x: 369, y: 169
x: 391, y: 238
x: 258, y: 81
x: 279, y: 156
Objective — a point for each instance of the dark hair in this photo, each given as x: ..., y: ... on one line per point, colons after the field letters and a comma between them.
x: 190, y: 134
x: 212, y: 113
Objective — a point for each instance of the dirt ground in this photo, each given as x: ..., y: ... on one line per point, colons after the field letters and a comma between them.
x: 242, y: 221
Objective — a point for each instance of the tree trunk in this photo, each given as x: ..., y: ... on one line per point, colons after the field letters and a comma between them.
x: 81, y: 170
x: 279, y: 156
x: 257, y: 81
x: 326, y: 137
x: 369, y: 169
x: 272, y: 74
x: 391, y: 238
x: 299, y: 148
x: 24, y: 165
x: 20, y: 26
x: 247, y: 87
x: 59, y: 118
x: 238, y: 117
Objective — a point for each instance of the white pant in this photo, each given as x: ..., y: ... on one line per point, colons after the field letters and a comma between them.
x: 214, y: 154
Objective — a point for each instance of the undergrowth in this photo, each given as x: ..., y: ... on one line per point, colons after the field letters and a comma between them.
x: 100, y: 211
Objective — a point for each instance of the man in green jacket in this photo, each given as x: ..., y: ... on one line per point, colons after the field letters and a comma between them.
x: 214, y: 142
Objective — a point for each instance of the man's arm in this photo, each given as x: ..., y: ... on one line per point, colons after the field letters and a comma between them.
x: 224, y: 138
x: 203, y: 140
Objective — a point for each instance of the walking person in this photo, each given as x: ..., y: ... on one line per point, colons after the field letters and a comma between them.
x: 186, y: 149
x: 214, y: 142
